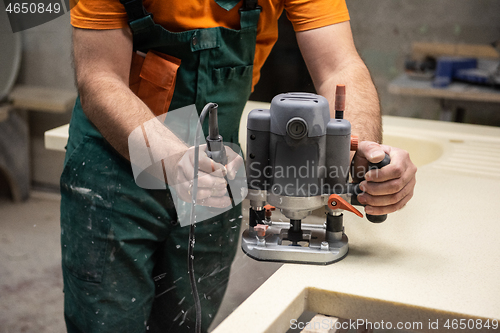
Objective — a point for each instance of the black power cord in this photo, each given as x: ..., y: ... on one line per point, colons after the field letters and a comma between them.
x: 192, y: 280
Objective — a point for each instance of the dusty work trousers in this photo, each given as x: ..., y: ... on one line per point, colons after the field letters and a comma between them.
x: 124, y: 255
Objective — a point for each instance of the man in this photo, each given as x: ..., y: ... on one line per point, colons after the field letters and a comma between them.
x: 124, y: 254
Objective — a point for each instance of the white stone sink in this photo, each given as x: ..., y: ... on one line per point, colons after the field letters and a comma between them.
x: 422, y: 151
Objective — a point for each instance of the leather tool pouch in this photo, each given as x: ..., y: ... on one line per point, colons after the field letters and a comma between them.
x: 152, y: 79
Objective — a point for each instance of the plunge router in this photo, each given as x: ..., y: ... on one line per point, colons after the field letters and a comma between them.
x: 298, y: 161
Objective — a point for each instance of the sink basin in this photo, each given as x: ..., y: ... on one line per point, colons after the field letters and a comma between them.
x: 422, y: 151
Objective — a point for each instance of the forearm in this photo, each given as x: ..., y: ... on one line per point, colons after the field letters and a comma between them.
x: 362, y: 103
x: 102, y: 66
x: 338, y: 62
x: 112, y: 107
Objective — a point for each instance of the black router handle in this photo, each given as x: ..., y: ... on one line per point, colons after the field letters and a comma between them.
x: 381, y: 164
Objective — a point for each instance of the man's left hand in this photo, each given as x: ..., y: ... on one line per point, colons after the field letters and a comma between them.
x: 387, y: 189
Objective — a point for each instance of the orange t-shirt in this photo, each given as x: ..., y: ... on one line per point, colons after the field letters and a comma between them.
x: 185, y: 15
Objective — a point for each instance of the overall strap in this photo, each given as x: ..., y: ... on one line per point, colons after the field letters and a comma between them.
x: 249, y: 14
x: 139, y: 17
x: 250, y: 5
x: 135, y: 10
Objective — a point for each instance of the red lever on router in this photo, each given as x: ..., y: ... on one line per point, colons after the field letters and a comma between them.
x: 336, y: 202
x: 269, y: 210
x: 261, y: 229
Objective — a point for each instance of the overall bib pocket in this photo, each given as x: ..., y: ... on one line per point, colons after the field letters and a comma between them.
x: 152, y: 79
x: 87, y: 187
x: 221, y: 75
x: 231, y: 81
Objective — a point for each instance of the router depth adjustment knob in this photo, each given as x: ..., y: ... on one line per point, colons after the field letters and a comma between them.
x: 354, y: 142
x: 296, y: 128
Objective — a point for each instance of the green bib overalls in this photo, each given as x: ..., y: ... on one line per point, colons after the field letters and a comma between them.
x: 124, y: 255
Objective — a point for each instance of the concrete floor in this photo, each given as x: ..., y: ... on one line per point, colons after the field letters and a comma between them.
x: 31, y: 298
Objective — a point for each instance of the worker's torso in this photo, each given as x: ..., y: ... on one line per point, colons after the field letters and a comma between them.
x: 216, y: 64
x: 182, y: 15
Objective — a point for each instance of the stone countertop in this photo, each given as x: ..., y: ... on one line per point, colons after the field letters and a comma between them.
x: 436, y: 259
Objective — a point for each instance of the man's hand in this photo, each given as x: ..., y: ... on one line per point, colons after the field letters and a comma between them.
x: 212, y: 184
x: 387, y: 189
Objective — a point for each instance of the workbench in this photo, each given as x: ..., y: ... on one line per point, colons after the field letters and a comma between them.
x: 456, y: 91
x: 19, y: 160
x: 434, y: 261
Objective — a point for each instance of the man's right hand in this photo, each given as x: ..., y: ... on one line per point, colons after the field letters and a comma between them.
x: 212, y: 185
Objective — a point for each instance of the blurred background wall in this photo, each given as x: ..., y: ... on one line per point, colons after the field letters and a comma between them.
x: 383, y: 33
x: 46, y: 61
x: 384, y: 30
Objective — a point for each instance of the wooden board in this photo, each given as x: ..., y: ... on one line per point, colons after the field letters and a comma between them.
x: 403, y: 85
x: 420, y: 50
x: 46, y: 99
